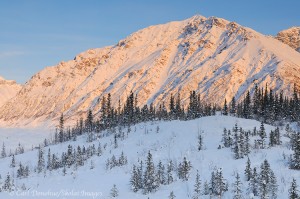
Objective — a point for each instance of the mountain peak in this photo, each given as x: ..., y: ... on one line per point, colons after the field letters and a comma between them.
x: 290, y: 37
x: 216, y: 58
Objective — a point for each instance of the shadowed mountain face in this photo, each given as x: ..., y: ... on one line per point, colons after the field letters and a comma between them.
x: 216, y: 58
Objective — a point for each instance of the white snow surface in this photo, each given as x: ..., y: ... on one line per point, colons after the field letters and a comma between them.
x: 216, y: 58
x: 8, y: 89
x: 175, y: 140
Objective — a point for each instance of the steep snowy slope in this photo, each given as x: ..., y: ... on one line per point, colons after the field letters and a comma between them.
x: 213, y: 56
x: 8, y: 89
x: 290, y: 37
x: 174, y: 141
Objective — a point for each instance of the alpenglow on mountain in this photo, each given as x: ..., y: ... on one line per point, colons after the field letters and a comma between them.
x: 216, y: 58
x: 290, y: 37
x: 8, y: 89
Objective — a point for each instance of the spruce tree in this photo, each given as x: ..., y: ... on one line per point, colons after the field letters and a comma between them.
x: 200, y: 142
x: 134, y: 181
x: 3, y: 151
x: 8, y: 186
x: 197, y: 187
x: 170, y: 168
x: 61, y: 128
x: 233, y: 107
x: 262, y: 134
x: 225, y: 108
x: 41, y: 160
x: 114, y: 192
x: 161, y: 177
x: 184, y: 169
x: 295, y: 161
x: 206, y: 190
x: 293, y: 192
x: 149, y: 176
x: 237, y: 188
x: 248, y: 171
x: 172, y: 195
x: 220, y: 183
x: 13, y: 162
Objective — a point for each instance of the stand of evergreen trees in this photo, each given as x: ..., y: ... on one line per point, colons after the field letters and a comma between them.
x: 266, y: 106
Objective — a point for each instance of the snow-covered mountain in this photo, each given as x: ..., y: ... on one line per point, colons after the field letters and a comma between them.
x: 290, y: 37
x: 8, y: 89
x: 215, y: 57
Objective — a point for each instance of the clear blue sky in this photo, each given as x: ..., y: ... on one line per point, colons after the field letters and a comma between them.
x: 39, y: 33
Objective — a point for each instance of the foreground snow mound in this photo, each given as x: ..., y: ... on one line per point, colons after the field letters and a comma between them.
x: 166, y: 141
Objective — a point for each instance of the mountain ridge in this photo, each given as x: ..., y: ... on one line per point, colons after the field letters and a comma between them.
x: 291, y: 37
x: 216, y: 58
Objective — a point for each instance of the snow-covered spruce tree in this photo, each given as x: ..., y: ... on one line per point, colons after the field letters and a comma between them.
x: 122, y: 159
x: 64, y: 171
x: 134, y: 180
x: 160, y: 176
x: 293, y: 192
x: 140, y: 171
x: 197, y: 187
x: 89, y: 122
x: 277, y: 136
x: 49, y: 161
x: 295, y: 160
x: 273, y: 187
x: 225, y: 138
x: 114, y: 192
x: 184, y: 169
x: 172, y: 195
x: 220, y: 183
x: 206, y: 190
x: 115, y: 141
x: 200, y: 142
x: 267, y: 181
x: 8, y: 185
x: 262, y: 135
x: 170, y: 168
x: 79, y: 158
x: 92, y: 164
x: 69, y: 156
x: 272, y: 139
x: 20, y: 171
x: 3, y: 151
x: 212, y: 187
x: 150, y: 182
x: 248, y: 170
x: 237, y: 188
x: 236, y: 145
x: 233, y: 107
x: 41, y: 160
x: 99, y: 150
x: 247, y: 147
x: 13, y: 162
x: 242, y: 143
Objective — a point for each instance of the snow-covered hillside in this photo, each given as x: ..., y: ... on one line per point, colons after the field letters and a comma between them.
x: 215, y: 57
x: 290, y: 37
x: 166, y: 141
x: 8, y: 89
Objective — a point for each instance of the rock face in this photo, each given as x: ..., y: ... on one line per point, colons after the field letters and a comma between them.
x: 290, y: 37
x: 8, y: 89
x: 215, y: 57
